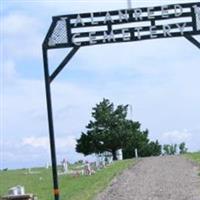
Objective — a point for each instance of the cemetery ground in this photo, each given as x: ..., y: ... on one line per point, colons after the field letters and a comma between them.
x: 156, y: 178
x: 72, y: 187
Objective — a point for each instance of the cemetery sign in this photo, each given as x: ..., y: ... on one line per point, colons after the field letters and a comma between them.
x: 124, y: 25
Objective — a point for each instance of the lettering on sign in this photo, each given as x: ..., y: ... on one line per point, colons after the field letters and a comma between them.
x: 124, y: 25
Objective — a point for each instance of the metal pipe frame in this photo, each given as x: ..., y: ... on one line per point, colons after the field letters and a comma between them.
x: 193, y: 41
x: 48, y: 80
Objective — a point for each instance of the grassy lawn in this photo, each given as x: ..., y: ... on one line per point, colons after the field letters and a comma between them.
x: 72, y: 188
x: 193, y: 156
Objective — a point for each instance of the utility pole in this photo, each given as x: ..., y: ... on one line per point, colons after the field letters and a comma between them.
x: 129, y: 4
x: 131, y: 111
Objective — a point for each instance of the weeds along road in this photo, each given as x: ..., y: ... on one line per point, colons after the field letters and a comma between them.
x: 156, y: 178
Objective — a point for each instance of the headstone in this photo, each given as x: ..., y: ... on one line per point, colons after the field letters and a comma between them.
x: 110, y: 159
x: 47, y: 165
x: 98, y: 161
x: 64, y: 166
x: 17, y: 190
x: 119, y: 154
x: 136, y: 153
x: 87, y: 169
x: 103, y: 162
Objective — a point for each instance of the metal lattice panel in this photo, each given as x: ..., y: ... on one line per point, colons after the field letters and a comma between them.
x: 59, y: 35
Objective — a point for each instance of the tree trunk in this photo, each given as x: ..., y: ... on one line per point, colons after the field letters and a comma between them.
x: 114, y: 154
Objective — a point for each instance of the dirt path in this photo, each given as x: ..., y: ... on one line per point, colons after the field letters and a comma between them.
x: 156, y: 178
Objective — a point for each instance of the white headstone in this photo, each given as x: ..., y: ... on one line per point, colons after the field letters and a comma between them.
x: 17, y: 190
x: 47, y: 165
x: 64, y: 166
x: 110, y: 159
x: 98, y: 161
x: 87, y: 169
x: 136, y: 153
x: 119, y: 154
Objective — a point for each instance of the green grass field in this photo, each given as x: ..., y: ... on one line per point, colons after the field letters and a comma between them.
x: 193, y: 156
x: 71, y: 188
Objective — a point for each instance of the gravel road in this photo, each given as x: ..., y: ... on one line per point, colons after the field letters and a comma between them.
x: 156, y: 178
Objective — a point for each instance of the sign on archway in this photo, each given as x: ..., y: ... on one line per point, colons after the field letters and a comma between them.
x: 127, y: 25
x: 124, y: 25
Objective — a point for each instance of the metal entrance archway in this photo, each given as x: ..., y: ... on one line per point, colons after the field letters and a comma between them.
x: 113, y: 27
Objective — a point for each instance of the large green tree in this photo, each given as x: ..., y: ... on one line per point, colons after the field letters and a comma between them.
x: 106, y: 132
x: 110, y: 130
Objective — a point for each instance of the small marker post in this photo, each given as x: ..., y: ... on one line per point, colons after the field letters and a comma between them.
x: 136, y: 153
x: 129, y: 3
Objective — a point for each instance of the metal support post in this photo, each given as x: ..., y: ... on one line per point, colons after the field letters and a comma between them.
x: 50, y: 121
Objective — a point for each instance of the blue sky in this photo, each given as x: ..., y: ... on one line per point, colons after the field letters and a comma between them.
x: 159, y: 78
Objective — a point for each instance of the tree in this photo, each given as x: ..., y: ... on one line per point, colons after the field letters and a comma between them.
x: 170, y: 149
x: 106, y: 132
x: 182, y: 148
x: 166, y: 149
x: 154, y: 149
x: 110, y: 130
x: 173, y: 149
x: 136, y: 139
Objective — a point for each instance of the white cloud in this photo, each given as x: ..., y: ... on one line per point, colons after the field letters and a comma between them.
x: 22, y: 36
x: 17, y: 24
x: 35, y: 151
x: 190, y: 137
x: 39, y: 142
x: 8, y: 71
x: 61, y: 6
x: 67, y: 7
x: 63, y: 143
x: 176, y: 136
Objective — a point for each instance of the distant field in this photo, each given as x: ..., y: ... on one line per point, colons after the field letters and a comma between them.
x: 72, y: 188
x: 193, y: 156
